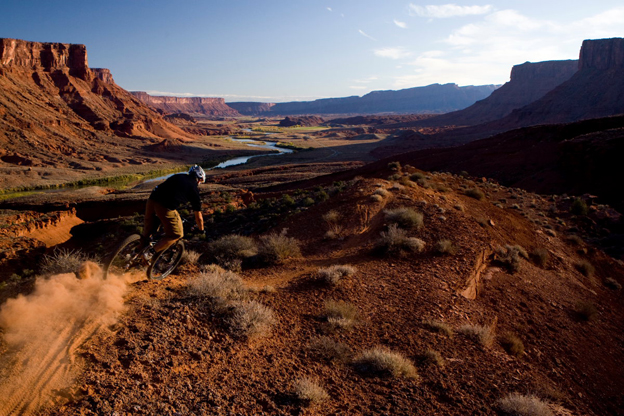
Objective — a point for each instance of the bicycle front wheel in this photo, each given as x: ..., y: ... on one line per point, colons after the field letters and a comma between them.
x: 166, y: 261
x: 125, y: 258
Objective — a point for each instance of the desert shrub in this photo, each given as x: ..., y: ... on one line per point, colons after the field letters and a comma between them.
x: 229, y: 251
x: 517, y: 404
x: 341, y: 314
x: 383, y: 362
x: 334, y: 274
x: 332, y: 219
x: 288, y: 200
x: 432, y: 357
x: 395, y: 241
x: 579, y: 207
x: 405, y: 218
x: 62, y: 261
x: 276, y: 248
x: 575, y: 240
x: 445, y: 247
x: 439, y: 327
x: 376, y: 198
x: 540, y: 257
x: 586, y: 268
x: 586, y: 311
x: 512, y: 344
x: 417, y: 176
x: 250, y: 319
x: 329, y: 350
x: 307, y: 201
x: 509, y: 257
x: 395, y: 166
x: 613, y: 284
x: 190, y: 257
x: 381, y: 192
x: 483, y: 335
x: 308, y: 391
x: 475, y: 193
x: 459, y: 207
x: 217, y: 283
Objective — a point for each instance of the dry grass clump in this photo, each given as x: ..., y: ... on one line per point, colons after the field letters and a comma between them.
x: 432, y: 357
x: 229, y: 251
x: 509, y: 257
x: 512, y: 344
x: 574, y: 240
x: 250, y: 320
x: 62, y: 261
x: 517, y: 404
x: 329, y: 350
x: 309, y: 392
x: 217, y: 283
x: 417, y: 176
x: 540, y: 257
x: 382, y: 192
x: 439, y: 327
x: 190, y: 257
x: 395, y: 241
x: 445, y: 247
x: 332, y: 219
x: 376, y: 198
x: 586, y: 268
x: 586, y: 311
x: 383, y: 362
x: 277, y: 248
x: 334, y: 274
x: 405, y: 217
x: 341, y: 314
x: 475, y: 193
x: 483, y: 335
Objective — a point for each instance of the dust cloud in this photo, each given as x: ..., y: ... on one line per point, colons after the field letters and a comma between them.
x: 43, y: 331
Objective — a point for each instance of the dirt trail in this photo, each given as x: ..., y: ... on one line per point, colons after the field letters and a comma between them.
x: 43, y: 332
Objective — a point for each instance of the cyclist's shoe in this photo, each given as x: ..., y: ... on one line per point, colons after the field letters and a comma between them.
x: 149, y: 253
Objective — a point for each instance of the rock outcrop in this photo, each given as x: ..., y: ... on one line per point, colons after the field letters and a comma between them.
x: 191, y: 105
x: 433, y: 98
x: 306, y: 121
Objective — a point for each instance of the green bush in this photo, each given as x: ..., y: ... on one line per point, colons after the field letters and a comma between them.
x: 404, y: 217
x: 579, y: 207
x: 231, y: 250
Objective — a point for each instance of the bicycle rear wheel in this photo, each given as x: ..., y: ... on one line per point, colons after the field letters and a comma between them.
x: 125, y: 258
x: 166, y: 261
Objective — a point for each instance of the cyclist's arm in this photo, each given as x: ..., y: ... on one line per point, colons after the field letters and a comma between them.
x: 199, y: 220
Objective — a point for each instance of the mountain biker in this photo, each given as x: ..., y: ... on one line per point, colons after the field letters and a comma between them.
x: 163, y: 203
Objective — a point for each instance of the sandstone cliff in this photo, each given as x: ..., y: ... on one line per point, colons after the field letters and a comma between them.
x: 434, y: 98
x: 190, y: 105
x: 56, y: 111
x: 528, y: 82
x: 251, y: 108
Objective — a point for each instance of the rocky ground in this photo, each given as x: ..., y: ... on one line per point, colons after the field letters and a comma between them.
x: 175, y: 351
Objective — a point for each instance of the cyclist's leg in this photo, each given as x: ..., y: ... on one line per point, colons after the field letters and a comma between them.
x: 149, y: 222
x: 172, y: 225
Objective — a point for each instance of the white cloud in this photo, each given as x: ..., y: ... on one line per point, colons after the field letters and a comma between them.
x: 330, y: 9
x: 358, y: 87
x: 484, y: 52
x: 392, y: 53
x: 447, y: 10
x: 365, y: 35
x: 402, y: 25
x: 366, y: 80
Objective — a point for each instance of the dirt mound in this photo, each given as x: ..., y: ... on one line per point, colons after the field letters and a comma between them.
x: 171, y: 352
x: 167, y: 145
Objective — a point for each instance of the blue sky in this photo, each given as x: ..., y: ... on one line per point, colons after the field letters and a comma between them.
x: 292, y: 50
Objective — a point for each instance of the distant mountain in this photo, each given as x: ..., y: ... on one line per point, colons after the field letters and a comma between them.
x: 433, y: 98
x: 190, y: 105
x: 595, y: 90
x: 528, y: 82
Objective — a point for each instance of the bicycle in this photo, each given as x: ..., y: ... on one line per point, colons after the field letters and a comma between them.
x: 128, y: 257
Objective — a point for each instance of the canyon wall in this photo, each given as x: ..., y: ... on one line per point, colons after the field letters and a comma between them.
x: 250, y: 108
x: 189, y: 105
